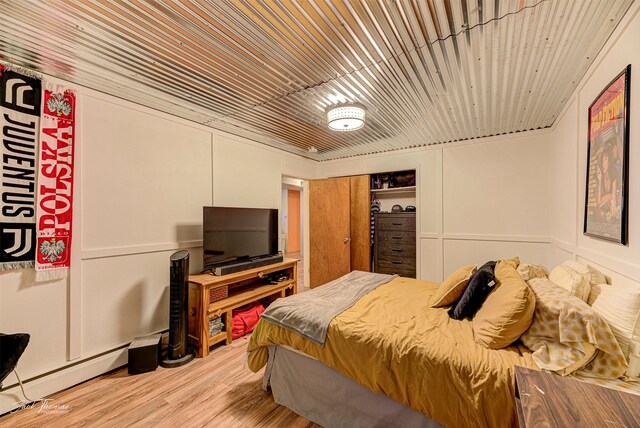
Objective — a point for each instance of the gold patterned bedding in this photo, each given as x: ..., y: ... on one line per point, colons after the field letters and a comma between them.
x: 393, y: 343
x: 568, y: 336
x: 624, y: 384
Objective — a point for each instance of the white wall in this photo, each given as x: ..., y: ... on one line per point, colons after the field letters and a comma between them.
x: 568, y: 162
x: 142, y: 178
x: 476, y: 201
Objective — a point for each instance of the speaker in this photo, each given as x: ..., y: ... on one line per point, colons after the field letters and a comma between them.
x: 143, y: 354
x: 177, y: 351
x: 249, y: 264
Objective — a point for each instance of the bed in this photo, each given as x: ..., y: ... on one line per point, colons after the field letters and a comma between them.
x: 391, y: 360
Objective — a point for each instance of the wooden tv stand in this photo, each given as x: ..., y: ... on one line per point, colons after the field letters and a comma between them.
x: 243, y: 288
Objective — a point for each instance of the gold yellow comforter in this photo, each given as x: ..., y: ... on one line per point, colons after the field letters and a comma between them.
x: 393, y: 343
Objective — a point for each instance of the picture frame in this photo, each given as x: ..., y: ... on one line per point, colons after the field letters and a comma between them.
x: 606, y: 193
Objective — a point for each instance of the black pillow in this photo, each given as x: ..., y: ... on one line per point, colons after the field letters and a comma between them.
x: 475, y: 294
x: 11, y: 347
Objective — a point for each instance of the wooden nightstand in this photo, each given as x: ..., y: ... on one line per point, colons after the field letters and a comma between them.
x: 544, y: 399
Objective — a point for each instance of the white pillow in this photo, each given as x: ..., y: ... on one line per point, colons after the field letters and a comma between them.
x: 593, y: 275
x: 576, y: 283
x: 620, y: 307
x: 578, y: 268
x: 597, y: 277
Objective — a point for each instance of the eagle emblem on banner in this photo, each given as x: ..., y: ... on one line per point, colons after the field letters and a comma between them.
x: 59, y: 104
x: 52, y: 250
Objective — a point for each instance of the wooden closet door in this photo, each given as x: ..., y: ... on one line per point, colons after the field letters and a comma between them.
x: 360, y: 203
x: 329, y: 230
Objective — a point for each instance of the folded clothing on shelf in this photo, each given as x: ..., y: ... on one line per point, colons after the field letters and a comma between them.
x: 215, y: 326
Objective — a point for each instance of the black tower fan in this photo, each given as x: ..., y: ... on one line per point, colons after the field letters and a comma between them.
x: 178, y: 352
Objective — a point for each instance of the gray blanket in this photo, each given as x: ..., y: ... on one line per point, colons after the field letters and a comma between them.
x: 310, y: 313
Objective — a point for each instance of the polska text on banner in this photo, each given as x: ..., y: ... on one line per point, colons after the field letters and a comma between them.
x: 20, y: 97
x: 55, y: 183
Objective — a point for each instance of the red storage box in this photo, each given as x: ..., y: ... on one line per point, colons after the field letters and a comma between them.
x: 245, y: 319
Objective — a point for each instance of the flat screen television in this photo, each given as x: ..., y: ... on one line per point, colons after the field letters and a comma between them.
x: 232, y: 235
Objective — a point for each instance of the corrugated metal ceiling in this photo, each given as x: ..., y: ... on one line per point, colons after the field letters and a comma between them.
x: 427, y: 71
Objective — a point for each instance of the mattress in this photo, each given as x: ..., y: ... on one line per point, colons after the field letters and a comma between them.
x: 393, y: 343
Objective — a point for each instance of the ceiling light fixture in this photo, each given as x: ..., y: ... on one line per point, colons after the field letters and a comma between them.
x: 345, y: 117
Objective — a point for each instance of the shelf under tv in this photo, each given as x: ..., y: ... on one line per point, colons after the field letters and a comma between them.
x: 243, y: 288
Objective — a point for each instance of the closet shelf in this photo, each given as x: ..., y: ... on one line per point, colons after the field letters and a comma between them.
x: 407, y: 189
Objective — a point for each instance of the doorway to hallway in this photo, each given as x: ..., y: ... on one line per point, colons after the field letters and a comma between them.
x: 291, y: 221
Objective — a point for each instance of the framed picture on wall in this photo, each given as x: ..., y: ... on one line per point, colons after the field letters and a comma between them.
x: 605, y: 214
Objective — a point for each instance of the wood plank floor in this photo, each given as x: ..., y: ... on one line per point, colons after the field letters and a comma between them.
x: 213, y: 391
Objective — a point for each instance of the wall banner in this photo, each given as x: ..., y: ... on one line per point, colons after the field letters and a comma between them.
x: 20, y: 100
x: 55, y: 182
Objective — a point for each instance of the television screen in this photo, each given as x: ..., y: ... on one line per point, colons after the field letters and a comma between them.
x: 238, y: 234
